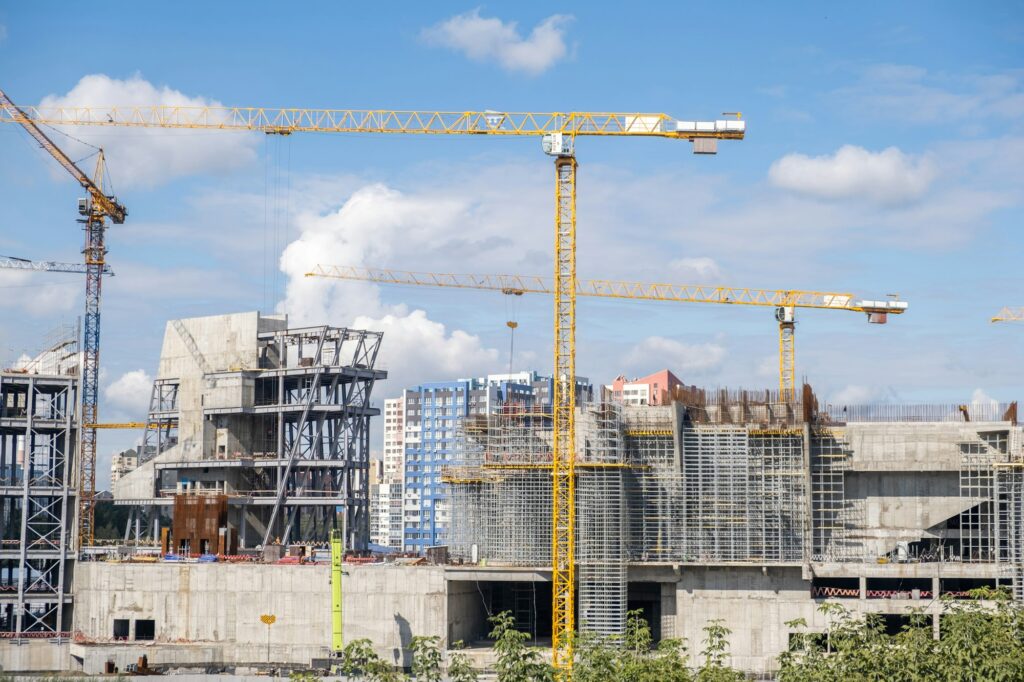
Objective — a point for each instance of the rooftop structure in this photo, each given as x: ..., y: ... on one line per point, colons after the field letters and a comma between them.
x: 654, y: 389
x: 276, y: 419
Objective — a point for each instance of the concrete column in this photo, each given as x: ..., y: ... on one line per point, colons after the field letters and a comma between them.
x: 242, y: 524
x: 863, y: 586
x: 28, y: 447
x: 669, y: 609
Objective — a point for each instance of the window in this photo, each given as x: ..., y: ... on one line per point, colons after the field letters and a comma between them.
x: 120, y: 628
x: 145, y: 630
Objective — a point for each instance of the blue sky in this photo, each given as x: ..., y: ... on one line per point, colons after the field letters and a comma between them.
x: 885, y: 153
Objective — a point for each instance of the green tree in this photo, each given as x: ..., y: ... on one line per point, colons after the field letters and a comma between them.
x: 716, y: 649
x: 597, y: 659
x: 516, y: 661
x: 359, y: 658
x: 426, y: 659
x: 459, y: 667
x: 982, y: 640
x: 629, y: 658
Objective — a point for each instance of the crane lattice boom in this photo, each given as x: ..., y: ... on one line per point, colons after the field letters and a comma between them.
x: 1009, y: 314
x: 12, y: 263
x: 607, y: 288
x: 266, y: 120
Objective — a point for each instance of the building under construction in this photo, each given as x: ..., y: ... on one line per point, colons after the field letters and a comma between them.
x: 272, y: 422
x: 722, y: 499
x: 733, y: 505
x: 38, y: 436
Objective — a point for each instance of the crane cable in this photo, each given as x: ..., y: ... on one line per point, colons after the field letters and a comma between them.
x: 512, y: 322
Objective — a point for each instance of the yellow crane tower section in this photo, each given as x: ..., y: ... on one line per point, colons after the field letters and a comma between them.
x: 785, y: 301
x: 558, y: 131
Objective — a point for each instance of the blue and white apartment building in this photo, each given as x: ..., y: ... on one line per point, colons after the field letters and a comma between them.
x: 433, y: 413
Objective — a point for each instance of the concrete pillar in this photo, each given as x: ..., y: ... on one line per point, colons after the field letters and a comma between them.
x: 936, y: 586
x: 669, y: 609
x: 242, y: 524
x: 863, y: 586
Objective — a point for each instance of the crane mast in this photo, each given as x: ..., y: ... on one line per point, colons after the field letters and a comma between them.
x: 95, y: 209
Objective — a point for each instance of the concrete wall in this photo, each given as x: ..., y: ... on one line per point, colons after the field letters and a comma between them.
x: 909, y: 446
x: 34, y: 655
x: 752, y: 603
x: 390, y: 604
x: 467, y: 616
x: 901, y: 505
x: 210, y: 613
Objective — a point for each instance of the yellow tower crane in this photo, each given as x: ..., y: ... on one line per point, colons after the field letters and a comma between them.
x: 558, y: 132
x: 785, y: 301
x: 94, y: 209
x: 1009, y: 314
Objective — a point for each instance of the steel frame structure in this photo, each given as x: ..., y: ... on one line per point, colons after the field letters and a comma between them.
x: 322, y: 410
x: 38, y: 434
x: 311, y: 407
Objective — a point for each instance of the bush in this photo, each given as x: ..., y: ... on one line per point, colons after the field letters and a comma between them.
x: 516, y: 661
x: 459, y: 667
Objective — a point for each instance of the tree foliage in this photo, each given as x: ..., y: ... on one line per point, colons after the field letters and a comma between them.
x: 459, y: 667
x: 982, y: 640
x: 426, y: 659
x: 359, y: 658
x: 630, y: 658
x: 516, y: 661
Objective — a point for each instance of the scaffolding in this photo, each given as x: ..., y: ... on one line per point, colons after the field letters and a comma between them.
x: 601, y: 520
x: 1010, y: 496
x: 744, y: 493
x: 978, y: 523
x: 830, y: 531
x: 500, y: 486
x: 778, y: 486
x: 655, y: 484
x: 652, y: 486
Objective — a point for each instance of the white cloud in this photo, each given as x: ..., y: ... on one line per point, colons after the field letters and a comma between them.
x: 888, y: 177
x: 859, y: 394
x: 657, y: 352
x: 379, y: 225
x: 855, y: 395
x: 696, y: 270
x: 39, y: 294
x: 485, y: 39
x: 151, y: 156
x: 981, y: 399
x: 131, y: 392
x: 902, y: 94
